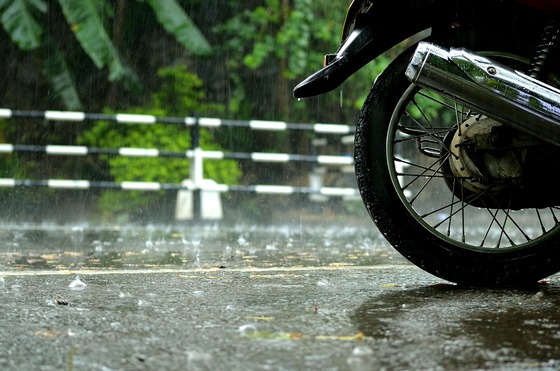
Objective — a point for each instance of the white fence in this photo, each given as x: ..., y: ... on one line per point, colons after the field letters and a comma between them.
x: 196, y: 155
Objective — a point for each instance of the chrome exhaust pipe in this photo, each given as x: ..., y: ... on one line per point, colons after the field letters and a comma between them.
x: 490, y: 88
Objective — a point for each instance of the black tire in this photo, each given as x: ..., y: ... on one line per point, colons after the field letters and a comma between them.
x: 404, y: 211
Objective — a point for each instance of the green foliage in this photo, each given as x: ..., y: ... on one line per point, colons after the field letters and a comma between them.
x: 271, y: 30
x: 364, y: 78
x: 7, y: 161
x: 180, y: 94
x: 294, y: 40
x: 88, y: 21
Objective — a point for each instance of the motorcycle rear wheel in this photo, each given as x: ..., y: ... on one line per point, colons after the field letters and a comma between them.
x: 400, y: 177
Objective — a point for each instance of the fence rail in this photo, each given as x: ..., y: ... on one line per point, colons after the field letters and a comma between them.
x: 153, y: 152
x: 125, y: 118
x: 154, y: 186
x: 196, y: 154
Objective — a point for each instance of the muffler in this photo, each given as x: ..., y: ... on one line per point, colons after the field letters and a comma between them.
x: 489, y: 88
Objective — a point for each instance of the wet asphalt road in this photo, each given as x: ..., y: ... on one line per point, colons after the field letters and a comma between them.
x: 327, y: 312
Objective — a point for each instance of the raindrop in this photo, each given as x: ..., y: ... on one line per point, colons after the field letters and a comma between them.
x: 116, y: 325
x: 197, y: 263
x: 247, y: 329
x: 77, y: 235
x: 362, y: 358
x: 199, y: 361
x: 16, y: 287
x: 242, y: 241
x: 324, y: 283
x: 362, y: 351
x: 196, y: 244
x: 77, y: 284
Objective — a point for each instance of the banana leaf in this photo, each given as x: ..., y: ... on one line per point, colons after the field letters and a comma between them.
x: 60, y: 77
x: 176, y: 22
x: 18, y: 19
x: 87, y: 25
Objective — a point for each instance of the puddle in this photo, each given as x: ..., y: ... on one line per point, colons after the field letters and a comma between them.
x: 191, y: 247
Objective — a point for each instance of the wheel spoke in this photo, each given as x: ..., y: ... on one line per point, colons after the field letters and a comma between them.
x: 439, y: 100
x: 435, y: 174
x: 543, y: 229
x: 451, y: 214
x: 431, y: 132
x: 493, y: 214
x: 451, y: 209
x: 553, y: 214
x: 430, y: 178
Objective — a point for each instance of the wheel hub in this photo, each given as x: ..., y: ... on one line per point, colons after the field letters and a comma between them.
x: 482, y: 155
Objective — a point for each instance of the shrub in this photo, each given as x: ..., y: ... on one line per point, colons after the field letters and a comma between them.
x: 180, y: 94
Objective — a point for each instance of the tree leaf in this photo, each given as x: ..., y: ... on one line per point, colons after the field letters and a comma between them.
x: 175, y: 21
x: 17, y: 17
x: 87, y: 25
x: 60, y: 77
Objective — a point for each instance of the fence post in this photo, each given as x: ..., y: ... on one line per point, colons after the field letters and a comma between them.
x: 196, y: 170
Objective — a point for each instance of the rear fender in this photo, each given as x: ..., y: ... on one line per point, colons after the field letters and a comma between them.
x: 370, y: 33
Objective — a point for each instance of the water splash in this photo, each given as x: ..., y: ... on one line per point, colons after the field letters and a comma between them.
x: 77, y: 235
x: 77, y: 284
x: 196, y: 245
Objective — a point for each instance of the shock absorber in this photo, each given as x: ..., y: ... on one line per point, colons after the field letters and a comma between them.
x: 542, y: 62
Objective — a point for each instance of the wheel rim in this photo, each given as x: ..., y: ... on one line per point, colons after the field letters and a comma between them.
x: 416, y: 143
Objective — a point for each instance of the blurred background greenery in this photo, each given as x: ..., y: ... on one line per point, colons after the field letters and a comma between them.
x: 215, y: 58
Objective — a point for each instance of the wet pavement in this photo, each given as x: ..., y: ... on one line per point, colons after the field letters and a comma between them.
x: 238, y: 298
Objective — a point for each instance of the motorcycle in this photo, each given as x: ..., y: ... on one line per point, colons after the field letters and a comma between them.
x: 457, y: 144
